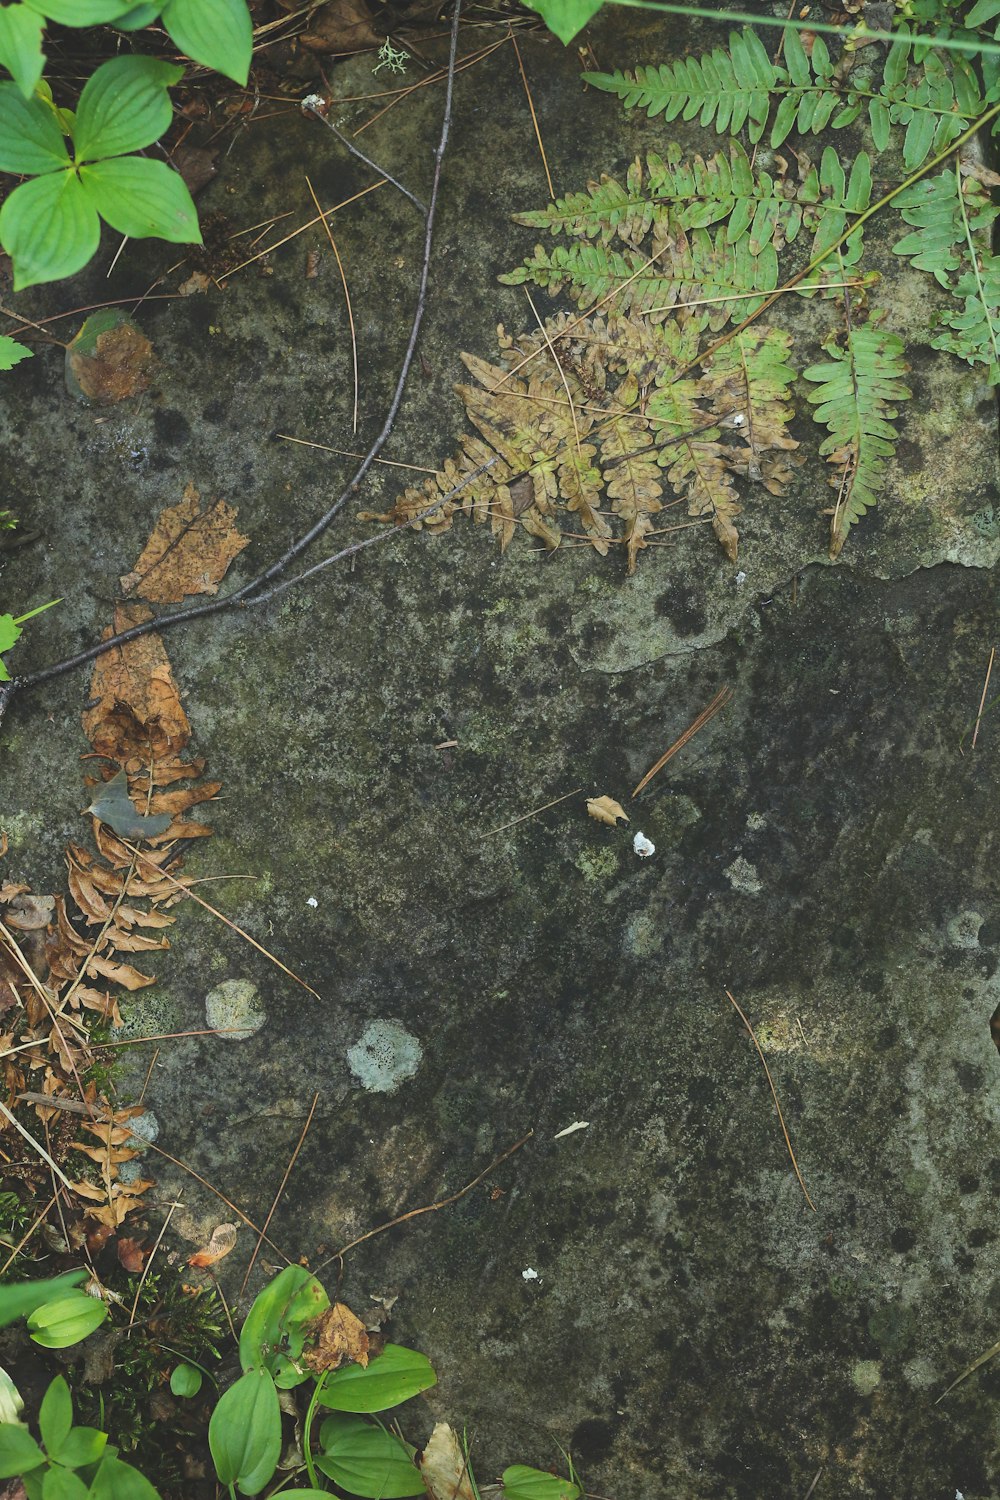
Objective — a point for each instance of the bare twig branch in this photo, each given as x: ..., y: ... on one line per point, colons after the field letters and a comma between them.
x: 257, y: 591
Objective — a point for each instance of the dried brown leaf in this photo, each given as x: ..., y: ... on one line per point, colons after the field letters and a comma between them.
x: 606, y: 810
x: 336, y: 1337
x: 221, y: 1243
x: 118, y: 366
x: 139, y: 712
x: 444, y: 1468
x: 188, y: 553
x: 342, y: 26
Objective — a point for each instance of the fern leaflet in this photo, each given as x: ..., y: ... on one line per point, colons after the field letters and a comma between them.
x: 940, y: 231
x: 973, y: 333
x: 736, y: 89
x: 855, y: 390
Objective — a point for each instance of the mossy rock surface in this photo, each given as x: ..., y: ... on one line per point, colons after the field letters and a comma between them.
x: 695, y: 1329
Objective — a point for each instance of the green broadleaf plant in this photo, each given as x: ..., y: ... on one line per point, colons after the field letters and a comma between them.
x: 16, y: 1301
x: 50, y: 225
x: 72, y: 1463
x: 216, y: 33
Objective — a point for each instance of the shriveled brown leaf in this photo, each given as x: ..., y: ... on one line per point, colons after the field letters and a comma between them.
x: 188, y: 552
x: 606, y: 810
x: 196, y: 282
x: 123, y: 974
x: 139, y: 711
x: 336, y: 1337
x: 443, y: 1466
x: 132, y: 1254
x: 221, y: 1243
x: 113, y: 367
x: 342, y: 26
x: 25, y: 912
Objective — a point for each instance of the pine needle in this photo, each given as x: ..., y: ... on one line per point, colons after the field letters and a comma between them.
x: 534, y: 117
x: 774, y: 1096
x: 165, y: 874
x: 277, y: 1197
x: 347, y: 299
x: 720, y: 700
x: 982, y: 701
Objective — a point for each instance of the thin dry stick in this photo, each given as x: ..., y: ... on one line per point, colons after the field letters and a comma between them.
x: 393, y: 463
x: 301, y: 230
x: 257, y: 591
x: 311, y: 109
x: 347, y: 299
x: 429, y: 1208
x: 216, y: 913
x: 720, y: 700
x: 534, y: 117
x: 774, y: 1095
x: 533, y: 813
x: 149, y: 1073
x: 281, y: 1189
x: 982, y: 701
x: 37, y: 1146
x: 149, y: 1261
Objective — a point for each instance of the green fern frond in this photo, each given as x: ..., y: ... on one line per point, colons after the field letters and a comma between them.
x: 974, y: 332
x: 855, y: 390
x: 730, y: 90
x: 723, y: 279
x: 938, y: 241
x: 725, y: 89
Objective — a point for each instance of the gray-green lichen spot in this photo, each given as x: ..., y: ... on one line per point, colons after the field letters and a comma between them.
x: 597, y: 865
x: 234, y: 1008
x: 742, y: 876
x: 145, y: 1128
x: 866, y: 1374
x: 384, y: 1056
x: 963, y: 930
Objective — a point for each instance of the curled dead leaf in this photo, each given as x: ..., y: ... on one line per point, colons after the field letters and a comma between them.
x: 444, y: 1468
x: 606, y: 810
x: 222, y: 1241
x: 337, y: 1337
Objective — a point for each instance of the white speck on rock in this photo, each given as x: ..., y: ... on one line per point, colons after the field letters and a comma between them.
x: 311, y: 901
x: 643, y: 846
x: 740, y: 579
x: 235, y: 1009
x: 743, y: 877
x: 384, y: 1056
x: 529, y: 1274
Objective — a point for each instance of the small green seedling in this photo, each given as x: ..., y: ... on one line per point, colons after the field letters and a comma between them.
x: 10, y: 634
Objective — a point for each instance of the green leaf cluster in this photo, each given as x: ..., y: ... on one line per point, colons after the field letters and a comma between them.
x: 69, y: 1462
x: 81, y: 170
x: 216, y: 33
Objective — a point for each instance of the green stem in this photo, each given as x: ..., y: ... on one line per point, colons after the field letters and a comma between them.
x: 307, y: 1433
x: 976, y: 46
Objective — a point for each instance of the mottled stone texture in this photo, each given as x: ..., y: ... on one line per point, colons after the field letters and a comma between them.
x: 824, y: 850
